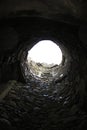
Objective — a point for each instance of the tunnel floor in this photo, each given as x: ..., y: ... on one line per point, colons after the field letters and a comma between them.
x: 25, y: 108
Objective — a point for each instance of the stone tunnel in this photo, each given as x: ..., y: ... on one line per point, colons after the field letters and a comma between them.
x: 37, y: 95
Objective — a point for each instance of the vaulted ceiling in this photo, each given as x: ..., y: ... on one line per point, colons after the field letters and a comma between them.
x: 49, y: 8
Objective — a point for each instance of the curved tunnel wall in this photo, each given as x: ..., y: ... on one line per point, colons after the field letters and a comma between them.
x: 61, y: 99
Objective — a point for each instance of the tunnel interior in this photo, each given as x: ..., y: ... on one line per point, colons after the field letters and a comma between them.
x: 57, y: 98
x: 44, y: 57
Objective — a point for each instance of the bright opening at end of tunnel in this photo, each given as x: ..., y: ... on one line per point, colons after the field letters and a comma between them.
x: 45, y: 51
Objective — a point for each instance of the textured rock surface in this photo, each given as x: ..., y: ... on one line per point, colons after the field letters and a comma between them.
x: 62, y: 104
x: 28, y: 108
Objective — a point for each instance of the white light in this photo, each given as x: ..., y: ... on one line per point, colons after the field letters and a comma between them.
x: 45, y: 51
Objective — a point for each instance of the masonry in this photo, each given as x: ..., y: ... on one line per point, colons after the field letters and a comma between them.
x: 27, y: 102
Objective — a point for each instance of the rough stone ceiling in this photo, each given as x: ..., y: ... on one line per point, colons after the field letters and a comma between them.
x: 76, y: 8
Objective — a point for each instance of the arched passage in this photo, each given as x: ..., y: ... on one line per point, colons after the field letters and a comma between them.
x: 42, y: 57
